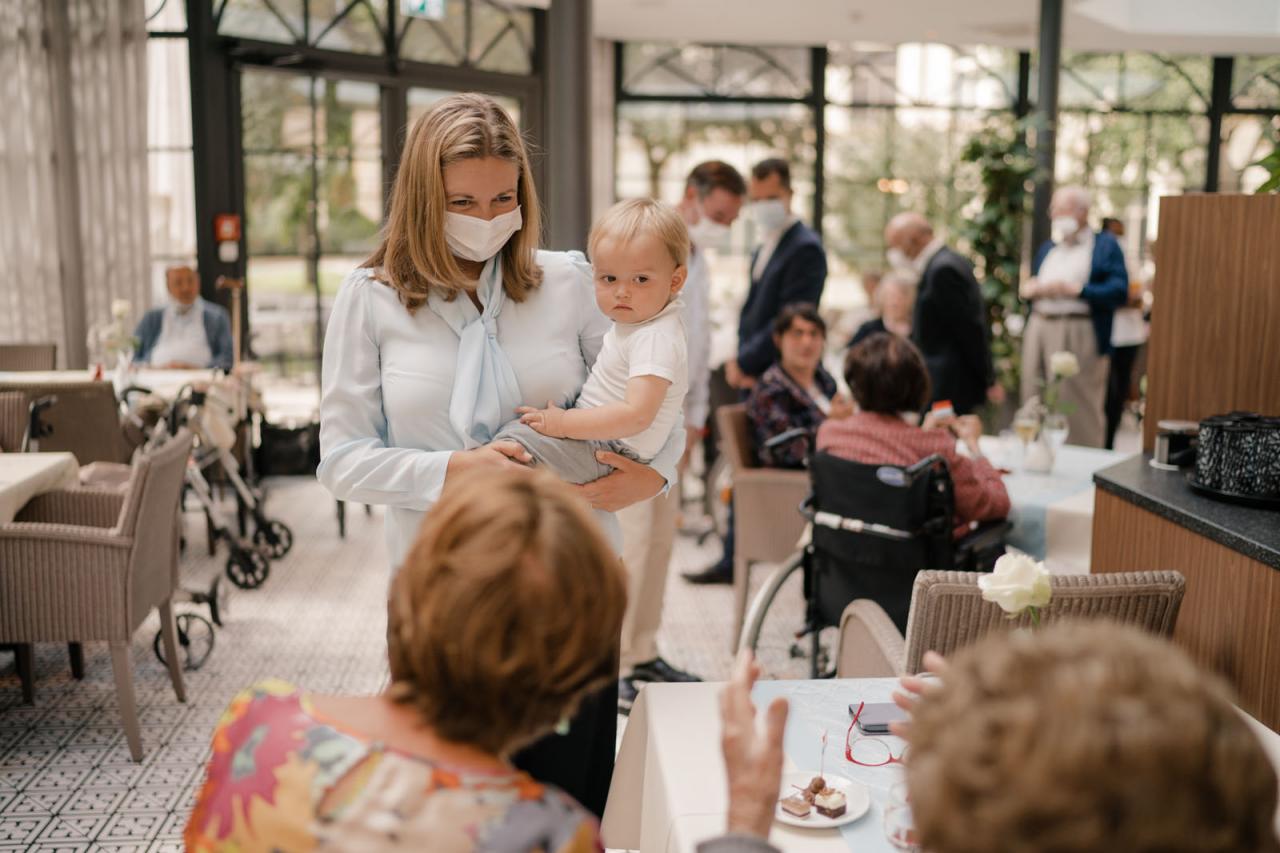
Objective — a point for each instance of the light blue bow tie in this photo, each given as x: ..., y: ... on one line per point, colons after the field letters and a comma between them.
x: 485, y: 390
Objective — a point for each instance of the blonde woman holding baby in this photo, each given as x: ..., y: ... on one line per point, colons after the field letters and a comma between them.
x: 456, y: 321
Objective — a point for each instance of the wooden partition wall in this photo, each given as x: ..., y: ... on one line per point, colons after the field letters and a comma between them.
x: 1215, y: 323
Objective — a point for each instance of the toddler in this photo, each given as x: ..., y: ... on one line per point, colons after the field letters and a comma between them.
x: 634, y: 395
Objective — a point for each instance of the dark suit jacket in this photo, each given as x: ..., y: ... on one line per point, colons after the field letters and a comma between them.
x: 1107, y: 288
x: 796, y: 272
x: 950, y: 328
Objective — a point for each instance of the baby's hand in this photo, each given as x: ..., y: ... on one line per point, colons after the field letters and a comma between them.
x: 548, y: 421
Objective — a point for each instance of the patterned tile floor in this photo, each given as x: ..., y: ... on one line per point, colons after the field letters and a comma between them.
x: 66, y: 780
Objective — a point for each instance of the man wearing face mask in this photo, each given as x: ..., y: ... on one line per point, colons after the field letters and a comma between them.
x: 788, y: 267
x: 1078, y: 281
x: 712, y: 200
x: 949, y: 322
x: 187, y: 333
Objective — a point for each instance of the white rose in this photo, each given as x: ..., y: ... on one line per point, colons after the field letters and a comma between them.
x: 1064, y: 364
x: 1017, y: 583
x: 120, y: 308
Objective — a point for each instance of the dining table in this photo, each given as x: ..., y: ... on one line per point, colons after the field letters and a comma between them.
x: 25, y: 475
x: 1052, y: 512
x: 670, y: 792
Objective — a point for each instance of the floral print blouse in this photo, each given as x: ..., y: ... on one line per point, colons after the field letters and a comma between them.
x: 282, y: 778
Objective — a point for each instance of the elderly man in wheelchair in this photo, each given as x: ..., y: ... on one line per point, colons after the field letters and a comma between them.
x: 888, y: 499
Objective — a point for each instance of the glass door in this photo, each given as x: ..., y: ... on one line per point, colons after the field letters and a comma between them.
x: 313, y: 205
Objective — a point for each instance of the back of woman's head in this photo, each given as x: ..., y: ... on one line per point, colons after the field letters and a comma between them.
x: 506, y: 612
x: 886, y: 374
x: 413, y: 256
x: 1081, y: 739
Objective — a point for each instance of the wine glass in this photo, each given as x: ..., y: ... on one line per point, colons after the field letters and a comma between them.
x: 1026, y: 426
x: 899, y: 825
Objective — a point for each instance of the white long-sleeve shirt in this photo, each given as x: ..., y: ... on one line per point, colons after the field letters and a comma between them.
x: 696, y: 295
x: 385, y: 435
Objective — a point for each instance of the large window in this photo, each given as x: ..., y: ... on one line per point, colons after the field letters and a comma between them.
x: 171, y: 181
x: 892, y: 121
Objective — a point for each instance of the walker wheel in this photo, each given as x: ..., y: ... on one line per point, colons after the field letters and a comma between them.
x: 195, y: 641
x: 247, y: 568
x: 274, y: 538
x: 218, y: 598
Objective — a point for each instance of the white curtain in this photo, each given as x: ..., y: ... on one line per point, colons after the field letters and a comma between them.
x: 73, y: 184
x: 30, y: 279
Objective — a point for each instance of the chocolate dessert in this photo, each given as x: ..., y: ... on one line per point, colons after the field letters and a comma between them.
x: 829, y: 803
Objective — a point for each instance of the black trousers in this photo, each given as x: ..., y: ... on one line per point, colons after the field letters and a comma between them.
x: 1118, y: 382
x: 580, y: 762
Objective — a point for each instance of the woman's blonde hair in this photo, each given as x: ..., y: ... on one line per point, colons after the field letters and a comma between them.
x: 1083, y: 738
x: 413, y: 256
x: 506, y: 612
x: 629, y: 219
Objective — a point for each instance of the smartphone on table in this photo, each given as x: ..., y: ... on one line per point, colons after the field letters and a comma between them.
x: 876, y: 716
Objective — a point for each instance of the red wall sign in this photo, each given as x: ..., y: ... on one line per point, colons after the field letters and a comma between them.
x: 226, y: 227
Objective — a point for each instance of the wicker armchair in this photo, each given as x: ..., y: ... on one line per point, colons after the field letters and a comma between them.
x: 766, y: 507
x: 948, y: 613
x: 14, y: 413
x: 84, y: 564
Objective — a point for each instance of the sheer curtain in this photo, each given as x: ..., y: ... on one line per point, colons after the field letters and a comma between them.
x: 73, y: 167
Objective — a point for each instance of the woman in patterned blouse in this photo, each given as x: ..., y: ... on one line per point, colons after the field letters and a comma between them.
x: 796, y: 394
x: 490, y: 647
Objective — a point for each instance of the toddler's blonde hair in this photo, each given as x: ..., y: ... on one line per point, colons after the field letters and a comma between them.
x: 629, y: 219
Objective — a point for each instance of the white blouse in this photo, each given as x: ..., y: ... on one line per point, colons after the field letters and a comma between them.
x: 388, y: 375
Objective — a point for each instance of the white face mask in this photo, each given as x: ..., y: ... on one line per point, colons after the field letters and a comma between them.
x: 770, y: 214
x: 1064, y: 228
x: 476, y: 239
x: 899, y: 261
x: 709, y: 234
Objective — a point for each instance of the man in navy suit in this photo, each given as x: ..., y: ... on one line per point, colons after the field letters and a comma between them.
x: 789, y: 267
x: 1079, y: 280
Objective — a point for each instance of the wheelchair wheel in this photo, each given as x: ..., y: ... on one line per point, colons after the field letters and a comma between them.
x: 247, y: 568
x: 218, y: 599
x: 273, y: 538
x: 774, y: 629
x: 195, y: 641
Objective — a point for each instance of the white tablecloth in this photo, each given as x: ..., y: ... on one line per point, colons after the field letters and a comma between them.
x: 1053, y: 513
x: 25, y: 475
x: 669, y: 791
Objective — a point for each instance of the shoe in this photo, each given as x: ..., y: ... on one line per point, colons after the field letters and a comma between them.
x: 716, y: 574
x: 627, y: 692
x: 659, y: 670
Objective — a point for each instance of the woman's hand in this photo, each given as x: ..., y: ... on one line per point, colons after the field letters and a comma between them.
x: 630, y: 483
x: 915, y: 686
x: 504, y: 454
x: 753, y: 764
x: 841, y: 407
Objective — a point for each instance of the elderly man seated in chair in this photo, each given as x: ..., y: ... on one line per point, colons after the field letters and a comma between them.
x: 188, y: 333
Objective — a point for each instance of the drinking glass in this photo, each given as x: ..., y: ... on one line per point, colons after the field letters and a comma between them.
x: 899, y: 826
x: 1026, y: 427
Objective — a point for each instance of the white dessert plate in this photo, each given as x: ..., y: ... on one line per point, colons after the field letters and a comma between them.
x: 857, y: 801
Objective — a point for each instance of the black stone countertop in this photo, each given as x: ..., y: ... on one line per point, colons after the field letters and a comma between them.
x: 1253, y: 532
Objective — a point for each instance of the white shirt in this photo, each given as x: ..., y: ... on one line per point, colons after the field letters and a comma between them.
x: 1072, y: 263
x: 182, y: 337
x: 768, y: 246
x: 1128, y: 328
x: 385, y: 435
x: 653, y: 347
x: 696, y: 296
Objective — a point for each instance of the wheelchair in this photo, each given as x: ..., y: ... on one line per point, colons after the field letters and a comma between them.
x: 871, y: 529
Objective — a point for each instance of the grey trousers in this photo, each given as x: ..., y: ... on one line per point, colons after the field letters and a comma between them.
x: 1087, y: 390
x: 570, y: 459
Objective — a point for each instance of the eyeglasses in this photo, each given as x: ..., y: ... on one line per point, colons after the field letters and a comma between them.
x: 869, y: 751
